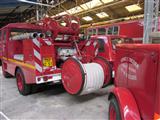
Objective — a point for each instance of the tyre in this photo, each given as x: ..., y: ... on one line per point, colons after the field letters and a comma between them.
x: 0, y: 62
x: 23, y: 88
x: 114, y: 111
x: 5, y: 74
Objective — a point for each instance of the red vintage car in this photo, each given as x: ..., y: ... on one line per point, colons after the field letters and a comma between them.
x: 136, y: 94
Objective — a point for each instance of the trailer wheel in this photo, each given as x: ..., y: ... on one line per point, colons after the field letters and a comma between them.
x: 5, y: 74
x: 114, y: 111
x: 23, y: 88
x: 0, y: 62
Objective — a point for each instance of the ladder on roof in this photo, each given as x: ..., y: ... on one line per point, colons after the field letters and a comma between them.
x: 151, y: 11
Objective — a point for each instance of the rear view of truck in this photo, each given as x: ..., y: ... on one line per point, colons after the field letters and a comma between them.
x: 28, y: 55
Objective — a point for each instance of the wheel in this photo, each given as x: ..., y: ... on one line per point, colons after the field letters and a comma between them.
x: 5, y: 74
x: 114, y: 111
x: 23, y: 88
x: 0, y: 62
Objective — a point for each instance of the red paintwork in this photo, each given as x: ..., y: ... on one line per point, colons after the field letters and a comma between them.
x: 109, y: 52
x: 25, y: 46
x: 55, y: 25
x: 132, y: 29
x: 72, y: 76
x: 127, y: 103
x: 137, y: 70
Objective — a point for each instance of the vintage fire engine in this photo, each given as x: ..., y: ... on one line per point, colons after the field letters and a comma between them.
x: 136, y: 94
x: 82, y: 73
x: 49, y: 52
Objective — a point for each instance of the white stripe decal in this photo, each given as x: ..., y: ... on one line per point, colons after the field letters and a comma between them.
x: 88, y: 43
x: 96, y: 52
x: 36, y: 42
x: 38, y: 67
x: 58, y: 38
x: 48, y: 42
x: 95, y: 43
x: 37, y: 54
x: 66, y: 37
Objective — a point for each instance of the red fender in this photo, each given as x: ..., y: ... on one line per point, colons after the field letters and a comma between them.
x: 127, y: 104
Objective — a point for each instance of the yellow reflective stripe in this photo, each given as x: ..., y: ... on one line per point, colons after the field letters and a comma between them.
x: 20, y: 63
x: 4, y: 58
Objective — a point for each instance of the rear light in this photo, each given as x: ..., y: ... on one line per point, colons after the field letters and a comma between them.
x: 39, y: 79
x: 45, y: 78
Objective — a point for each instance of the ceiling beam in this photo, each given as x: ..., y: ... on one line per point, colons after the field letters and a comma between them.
x: 10, y: 13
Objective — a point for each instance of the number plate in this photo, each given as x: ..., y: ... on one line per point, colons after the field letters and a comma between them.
x: 47, y: 62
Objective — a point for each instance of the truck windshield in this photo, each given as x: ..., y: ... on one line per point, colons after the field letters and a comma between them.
x: 19, y: 34
x: 116, y: 41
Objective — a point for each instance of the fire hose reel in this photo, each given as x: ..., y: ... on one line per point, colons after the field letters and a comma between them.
x: 80, y: 79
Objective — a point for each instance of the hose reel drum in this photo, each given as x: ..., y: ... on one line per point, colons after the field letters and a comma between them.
x: 80, y: 79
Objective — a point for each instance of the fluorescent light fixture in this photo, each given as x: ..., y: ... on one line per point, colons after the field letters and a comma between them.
x: 46, y: 15
x: 133, y: 17
x: 84, y: 6
x: 107, y: 1
x: 74, y: 10
x: 133, y: 8
x: 91, y: 4
x: 35, y: 3
x: 62, y: 13
x: 102, y: 15
x: 52, y: 16
x: 87, y: 18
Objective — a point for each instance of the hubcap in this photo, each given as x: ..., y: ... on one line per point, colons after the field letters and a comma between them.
x: 112, y: 113
x: 19, y: 82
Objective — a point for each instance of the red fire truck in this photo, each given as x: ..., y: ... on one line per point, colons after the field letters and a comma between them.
x: 49, y: 52
x: 28, y: 55
x: 132, y: 29
x: 136, y: 94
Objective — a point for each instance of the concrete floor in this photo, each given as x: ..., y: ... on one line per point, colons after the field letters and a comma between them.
x: 50, y: 102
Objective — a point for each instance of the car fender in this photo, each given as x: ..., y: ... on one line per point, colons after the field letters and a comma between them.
x: 127, y: 103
